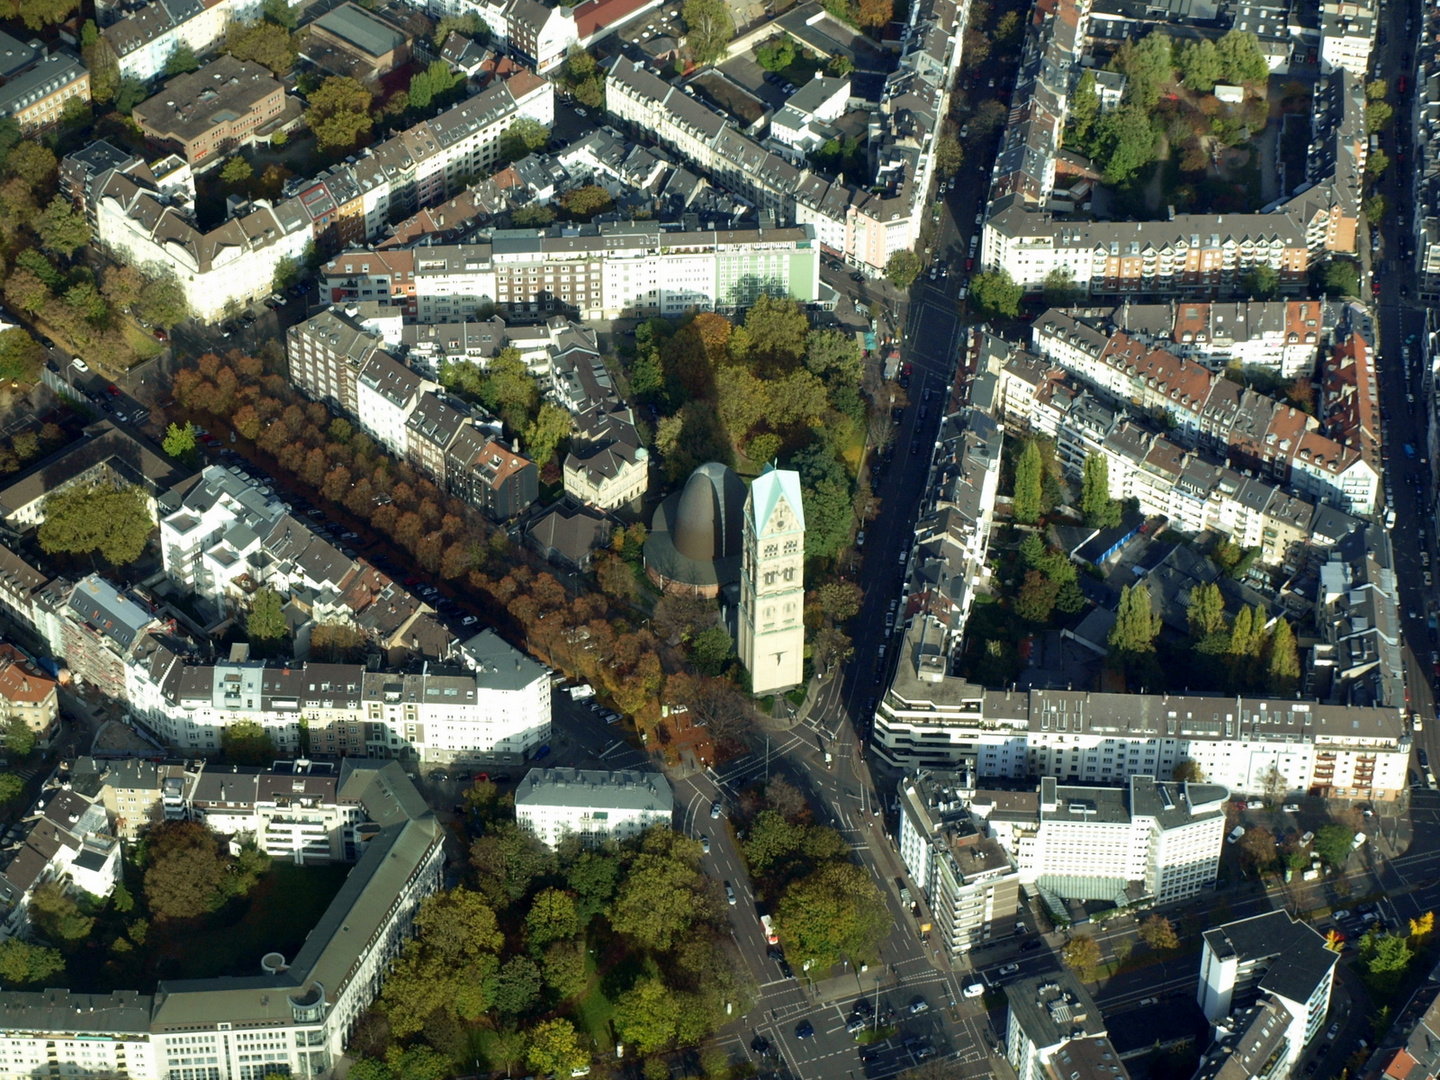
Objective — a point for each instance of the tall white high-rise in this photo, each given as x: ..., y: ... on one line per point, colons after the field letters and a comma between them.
x: 772, y: 583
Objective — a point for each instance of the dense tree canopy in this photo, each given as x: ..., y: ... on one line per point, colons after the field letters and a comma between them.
x: 709, y: 30
x: 338, y: 113
x: 81, y: 520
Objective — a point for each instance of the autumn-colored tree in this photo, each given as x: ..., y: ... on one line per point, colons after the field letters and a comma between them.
x: 874, y: 14
x: 1159, y: 933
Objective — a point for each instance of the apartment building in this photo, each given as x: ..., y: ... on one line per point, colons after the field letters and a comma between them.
x: 1411, y: 1048
x: 1205, y: 409
x: 1268, y: 956
x: 1347, y: 34
x: 1360, y: 658
x: 606, y: 467
x: 232, y: 263
x: 296, y: 1015
x: 1188, y: 253
x: 497, y: 703
x: 864, y: 223
x: 36, y: 99
x: 385, y: 394
x: 626, y: 269
x: 1284, y: 336
x: 27, y: 694
x: 595, y: 806
x: 931, y: 719
x: 207, y: 114
x: 144, y: 39
x: 1250, y: 1044
x: 968, y: 879
x: 290, y: 812
x: 136, y: 793
x: 1148, y: 841
x: 101, y: 625
x: 67, y: 842
x: 1050, y: 1016
x: 200, y: 515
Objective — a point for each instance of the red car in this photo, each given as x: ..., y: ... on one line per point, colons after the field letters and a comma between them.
x: 160, y: 335
x: 113, y: 390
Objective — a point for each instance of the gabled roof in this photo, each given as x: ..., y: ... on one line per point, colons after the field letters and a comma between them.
x: 766, y: 492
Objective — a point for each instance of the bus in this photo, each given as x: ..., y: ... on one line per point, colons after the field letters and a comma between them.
x: 770, y: 936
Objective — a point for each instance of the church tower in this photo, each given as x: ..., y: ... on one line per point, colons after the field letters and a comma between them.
x: 772, y: 583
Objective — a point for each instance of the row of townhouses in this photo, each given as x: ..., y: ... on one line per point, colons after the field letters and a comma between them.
x: 864, y: 223
x: 931, y: 719
x: 1204, y: 409
x: 147, y: 221
x: 1193, y: 490
x: 294, y: 1014
x: 1029, y: 232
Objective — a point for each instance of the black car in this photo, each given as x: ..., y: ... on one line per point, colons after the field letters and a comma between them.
x: 804, y: 1030
x: 864, y: 1008
x: 760, y: 1045
x: 785, y: 969
x: 869, y: 1053
x: 1031, y: 944
x: 1423, y: 758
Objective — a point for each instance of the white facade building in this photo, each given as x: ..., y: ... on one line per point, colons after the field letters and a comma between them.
x: 552, y: 804
x: 145, y: 39
x: 1270, y: 955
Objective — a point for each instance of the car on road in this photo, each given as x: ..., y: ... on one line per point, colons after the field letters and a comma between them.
x: 1235, y: 834
x: 705, y: 844
x: 80, y: 365
x: 973, y: 990
x: 1306, y: 837
x: 785, y: 969
x: 1422, y: 757
x: 1030, y: 944
x: 438, y: 776
x: 580, y: 112
x: 760, y: 1045
x: 864, y: 1008
x: 1333, y: 1030
x: 544, y: 751
x: 869, y: 1053
x: 730, y: 894
x: 469, y: 620
x: 804, y: 1029
x: 855, y: 1024
x: 919, y: 1005
x: 1291, y: 808
x: 1010, y: 969
x: 715, y: 809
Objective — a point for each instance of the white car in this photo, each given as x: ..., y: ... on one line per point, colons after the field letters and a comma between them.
x: 1235, y: 834
x: 1010, y: 969
x: 80, y: 365
x: 973, y: 990
x: 1291, y: 808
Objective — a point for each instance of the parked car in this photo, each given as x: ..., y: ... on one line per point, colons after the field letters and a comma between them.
x: 1010, y: 969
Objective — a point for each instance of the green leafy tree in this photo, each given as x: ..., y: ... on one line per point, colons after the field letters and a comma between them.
x: 647, y: 1016
x: 178, y: 440
x: 1375, y: 209
x: 1084, y: 109
x: 1341, y: 277
x: 236, y: 173
x: 523, y: 138
x: 1262, y: 281
x: 266, y: 618
x: 1240, y: 58
x: 592, y: 878
x: 1081, y: 954
x: 1206, y: 612
x: 128, y: 94
x: 546, y: 432
x: 339, y: 113
x: 584, y: 202
x: 663, y: 894
x: 1037, y: 596
x: 833, y: 912
x: 1132, y: 638
x: 552, y: 917
x: 1386, y: 958
x: 515, y: 988
x: 827, y: 490
x: 267, y: 43
x: 507, y: 860
x: 533, y: 216
x: 185, y: 870
x: 1026, y: 503
x: 709, y: 30
x: 1376, y: 162
x: 20, y: 356
x: 555, y: 1048
x: 81, y: 520
x: 1147, y: 65
x: 56, y: 914
x: 711, y: 649
x: 162, y: 302
x: 1283, y: 667
x: 1333, y: 843
x: 1159, y: 933
x: 1378, y: 115
x: 24, y: 964
x: 902, y: 268
x: 996, y: 293
x: 563, y: 967
x: 1187, y: 772
x: 11, y: 787
x: 949, y: 156
x: 1100, y: 510
x: 1124, y: 142
x: 62, y: 228
x: 181, y: 61
x: 447, y: 966
x: 776, y: 55
x: 19, y: 738
x: 280, y: 13
x: 247, y: 743
x: 1200, y: 66
x: 418, y: 1062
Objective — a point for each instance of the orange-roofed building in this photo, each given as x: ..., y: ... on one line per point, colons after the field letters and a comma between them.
x: 27, y: 694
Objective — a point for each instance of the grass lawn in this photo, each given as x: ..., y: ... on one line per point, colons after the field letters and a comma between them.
x: 276, y: 917
x: 141, y: 343
x: 594, y: 1012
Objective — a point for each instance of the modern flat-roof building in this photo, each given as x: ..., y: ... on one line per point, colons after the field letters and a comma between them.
x: 352, y: 41
x: 967, y: 877
x: 1050, y: 1015
x: 552, y: 804
x: 1252, y: 1044
x: 206, y: 114
x: 1270, y: 955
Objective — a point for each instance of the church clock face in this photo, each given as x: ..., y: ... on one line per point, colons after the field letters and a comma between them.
x: 781, y: 521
